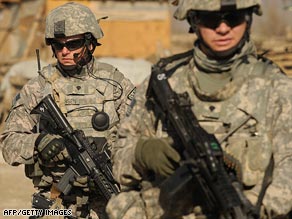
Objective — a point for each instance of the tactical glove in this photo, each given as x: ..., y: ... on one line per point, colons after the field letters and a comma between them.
x: 157, y: 155
x: 51, y: 148
x: 82, y: 182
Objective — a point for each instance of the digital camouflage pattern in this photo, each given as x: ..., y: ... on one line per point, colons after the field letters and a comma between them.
x: 71, y: 19
x: 250, y: 115
x: 103, y: 88
x: 212, y: 5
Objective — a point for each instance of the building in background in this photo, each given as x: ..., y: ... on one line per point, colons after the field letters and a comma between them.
x: 133, y: 28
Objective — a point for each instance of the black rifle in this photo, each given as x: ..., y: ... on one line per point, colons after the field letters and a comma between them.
x: 216, y: 190
x: 85, y: 161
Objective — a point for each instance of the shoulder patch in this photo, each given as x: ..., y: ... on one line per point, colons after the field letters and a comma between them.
x: 15, y: 99
x: 131, y: 101
x: 14, y: 105
x: 132, y: 94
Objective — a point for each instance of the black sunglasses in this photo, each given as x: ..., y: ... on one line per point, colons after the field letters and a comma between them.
x: 214, y: 19
x: 70, y: 45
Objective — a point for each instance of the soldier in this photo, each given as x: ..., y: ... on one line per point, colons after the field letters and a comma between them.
x: 241, y: 98
x: 81, y: 87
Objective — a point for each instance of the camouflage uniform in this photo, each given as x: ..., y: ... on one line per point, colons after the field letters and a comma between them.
x: 70, y: 93
x: 249, y: 113
x: 97, y: 87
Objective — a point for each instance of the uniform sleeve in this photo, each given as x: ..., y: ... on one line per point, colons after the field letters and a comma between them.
x: 278, y: 198
x: 18, y: 138
x: 277, y: 201
x: 124, y: 92
x: 139, y: 123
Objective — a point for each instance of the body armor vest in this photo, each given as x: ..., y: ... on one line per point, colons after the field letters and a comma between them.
x: 238, y: 122
x: 79, y: 99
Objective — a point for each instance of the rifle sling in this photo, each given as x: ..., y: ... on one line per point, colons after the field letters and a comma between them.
x: 267, y: 180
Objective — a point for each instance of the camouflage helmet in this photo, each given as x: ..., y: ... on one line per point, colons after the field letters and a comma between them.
x: 214, y: 5
x: 71, y: 19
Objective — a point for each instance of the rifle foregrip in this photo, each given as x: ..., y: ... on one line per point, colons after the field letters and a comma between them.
x: 106, y: 187
x: 85, y: 160
x: 226, y: 192
x: 65, y: 183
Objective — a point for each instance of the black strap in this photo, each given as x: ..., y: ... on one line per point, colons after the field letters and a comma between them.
x: 165, y: 61
x: 267, y: 180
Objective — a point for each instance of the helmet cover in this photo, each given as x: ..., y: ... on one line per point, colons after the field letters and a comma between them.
x: 71, y: 19
x: 184, y: 6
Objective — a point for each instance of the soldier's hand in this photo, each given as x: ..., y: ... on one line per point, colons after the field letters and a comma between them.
x: 82, y: 182
x: 157, y: 155
x: 51, y: 148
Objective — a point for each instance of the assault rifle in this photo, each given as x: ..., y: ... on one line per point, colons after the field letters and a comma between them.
x: 217, y: 192
x: 85, y: 161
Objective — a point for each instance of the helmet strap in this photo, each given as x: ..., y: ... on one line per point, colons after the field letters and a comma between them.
x: 81, y: 59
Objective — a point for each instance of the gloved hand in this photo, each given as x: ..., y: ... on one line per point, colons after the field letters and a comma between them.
x: 157, y: 155
x: 51, y: 148
x: 82, y: 182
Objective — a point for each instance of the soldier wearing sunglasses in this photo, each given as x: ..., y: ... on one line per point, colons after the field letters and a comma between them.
x: 244, y: 100
x: 94, y: 97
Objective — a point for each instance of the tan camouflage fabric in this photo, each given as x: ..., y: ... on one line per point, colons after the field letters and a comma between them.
x: 250, y: 116
x: 75, y: 18
x: 102, y: 88
x: 211, y: 5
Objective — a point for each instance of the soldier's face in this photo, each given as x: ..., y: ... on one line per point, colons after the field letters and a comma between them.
x: 65, y: 48
x: 224, y: 35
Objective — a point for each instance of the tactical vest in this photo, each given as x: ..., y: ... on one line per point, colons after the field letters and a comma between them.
x: 79, y: 99
x: 238, y: 121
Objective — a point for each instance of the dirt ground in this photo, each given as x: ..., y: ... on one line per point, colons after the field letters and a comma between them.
x: 15, y: 189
